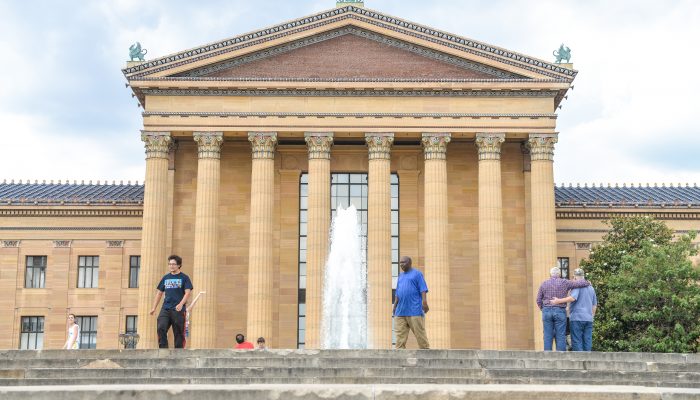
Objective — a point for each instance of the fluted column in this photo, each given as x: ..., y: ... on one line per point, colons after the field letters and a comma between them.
x: 154, y: 234
x: 544, y: 230
x: 260, y: 263
x: 379, y: 239
x: 206, y: 246
x: 437, y: 263
x: 492, y: 301
x: 318, y: 227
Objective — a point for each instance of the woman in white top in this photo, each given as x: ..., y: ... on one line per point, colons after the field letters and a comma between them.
x: 73, y: 341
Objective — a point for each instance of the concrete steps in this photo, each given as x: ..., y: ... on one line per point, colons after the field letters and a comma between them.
x: 231, y: 371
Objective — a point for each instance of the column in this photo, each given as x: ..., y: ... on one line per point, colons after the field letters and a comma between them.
x: 154, y: 234
x: 379, y: 239
x: 260, y: 262
x: 544, y: 230
x: 206, y: 246
x: 437, y: 263
x: 318, y: 227
x: 492, y: 301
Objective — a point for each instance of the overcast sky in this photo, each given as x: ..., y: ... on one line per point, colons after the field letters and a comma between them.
x: 634, y: 115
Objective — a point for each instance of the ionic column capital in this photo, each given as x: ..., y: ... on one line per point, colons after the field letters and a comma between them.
x: 489, y: 145
x: 435, y: 145
x: 263, y: 143
x: 319, y: 145
x: 541, y: 146
x: 379, y: 145
x: 157, y: 144
x: 209, y: 144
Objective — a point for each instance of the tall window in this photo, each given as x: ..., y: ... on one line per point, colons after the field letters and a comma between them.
x: 134, y: 267
x: 35, y: 275
x: 88, y: 331
x: 131, y: 324
x: 88, y: 271
x: 563, y: 264
x: 346, y: 190
x: 32, y: 333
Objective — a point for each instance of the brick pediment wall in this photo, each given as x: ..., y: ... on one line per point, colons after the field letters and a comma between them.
x: 350, y: 56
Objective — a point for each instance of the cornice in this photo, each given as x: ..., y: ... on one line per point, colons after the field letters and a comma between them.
x: 346, y: 115
x: 38, y: 212
x: 361, y: 14
x: 70, y: 228
x: 351, y: 93
x: 607, y: 214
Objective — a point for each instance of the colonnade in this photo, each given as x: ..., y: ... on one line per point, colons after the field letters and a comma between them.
x: 491, y: 277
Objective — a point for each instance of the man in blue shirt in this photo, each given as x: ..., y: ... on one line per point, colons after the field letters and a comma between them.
x: 582, y: 307
x: 410, y: 305
x: 177, y: 288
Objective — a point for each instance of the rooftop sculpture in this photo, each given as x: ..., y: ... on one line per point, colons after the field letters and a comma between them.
x: 564, y: 53
x: 136, y: 52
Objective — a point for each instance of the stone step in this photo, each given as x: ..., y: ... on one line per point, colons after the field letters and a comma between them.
x: 306, y: 362
x: 347, y: 354
x: 357, y: 372
x: 346, y: 392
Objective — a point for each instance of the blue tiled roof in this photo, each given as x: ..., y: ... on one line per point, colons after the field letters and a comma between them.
x: 565, y: 196
x: 70, y: 193
x: 628, y: 196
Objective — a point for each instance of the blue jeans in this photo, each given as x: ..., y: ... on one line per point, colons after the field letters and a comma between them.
x: 554, y: 324
x: 581, y: 335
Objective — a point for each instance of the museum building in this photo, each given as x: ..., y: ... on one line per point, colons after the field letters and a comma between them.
x: 445, y: 145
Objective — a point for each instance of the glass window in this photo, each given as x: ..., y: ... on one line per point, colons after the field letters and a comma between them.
x: 563, y: 264
x: 346, y: 190
x: 134, y: 267
x: 31, y: 333
x: 88, y: 331
x: 35, y: 273
x: 88, y: 271
x: 130, y: 327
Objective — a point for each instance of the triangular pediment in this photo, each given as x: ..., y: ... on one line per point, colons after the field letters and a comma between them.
x: 349, y: 53
x: 351, y: 43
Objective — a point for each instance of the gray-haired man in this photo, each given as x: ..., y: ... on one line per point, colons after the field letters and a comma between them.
x: 583, y: 303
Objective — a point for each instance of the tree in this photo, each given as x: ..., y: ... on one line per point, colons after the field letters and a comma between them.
x: 656, y: 298
x: 626, y: 237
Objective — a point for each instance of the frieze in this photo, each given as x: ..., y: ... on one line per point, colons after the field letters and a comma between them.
x: 115, y: 243
x: 344, y: 115
x: 422, y: 51
x: 603, y: 215
x: 10, y: 243
x: 339, y: 14
x: 583, y: 246
x: 70, y: 228
x: 62, y: 243
x: 324, y: 80
x: 352, y: 93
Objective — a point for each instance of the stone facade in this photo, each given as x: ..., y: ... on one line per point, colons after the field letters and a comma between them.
x: 230, y: 128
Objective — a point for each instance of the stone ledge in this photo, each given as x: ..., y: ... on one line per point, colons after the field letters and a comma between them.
x: 348, y: 392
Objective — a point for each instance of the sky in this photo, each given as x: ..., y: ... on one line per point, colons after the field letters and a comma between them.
x: 633, y: 116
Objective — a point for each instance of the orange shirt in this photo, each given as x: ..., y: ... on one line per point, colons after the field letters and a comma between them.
x: 245, y: 346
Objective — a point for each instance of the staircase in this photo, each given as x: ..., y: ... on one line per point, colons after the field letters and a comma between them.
x: 369, y: 374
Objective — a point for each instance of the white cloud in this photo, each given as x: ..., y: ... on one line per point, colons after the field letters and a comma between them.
x: 631, y: 118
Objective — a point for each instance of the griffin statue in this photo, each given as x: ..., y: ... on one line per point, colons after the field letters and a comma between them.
x: 136, y: 52
x: 564, y: 53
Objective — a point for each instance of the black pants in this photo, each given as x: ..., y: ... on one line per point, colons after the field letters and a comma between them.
x: 176, y: 319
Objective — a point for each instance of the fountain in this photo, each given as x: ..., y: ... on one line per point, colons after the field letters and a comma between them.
x: 344, y: 318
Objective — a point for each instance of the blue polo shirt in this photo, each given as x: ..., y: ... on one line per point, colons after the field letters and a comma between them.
x: 408, y: 289
x: 582, y: 308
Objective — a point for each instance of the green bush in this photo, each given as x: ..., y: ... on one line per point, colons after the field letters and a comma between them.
x: 647, y: 288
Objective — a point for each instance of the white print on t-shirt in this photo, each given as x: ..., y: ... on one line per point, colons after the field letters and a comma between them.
x: 173, y: 283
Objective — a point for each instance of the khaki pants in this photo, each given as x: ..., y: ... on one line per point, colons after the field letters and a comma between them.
x: 415, y: 324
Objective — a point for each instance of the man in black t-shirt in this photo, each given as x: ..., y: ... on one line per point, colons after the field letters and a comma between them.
x: 177, y: 288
